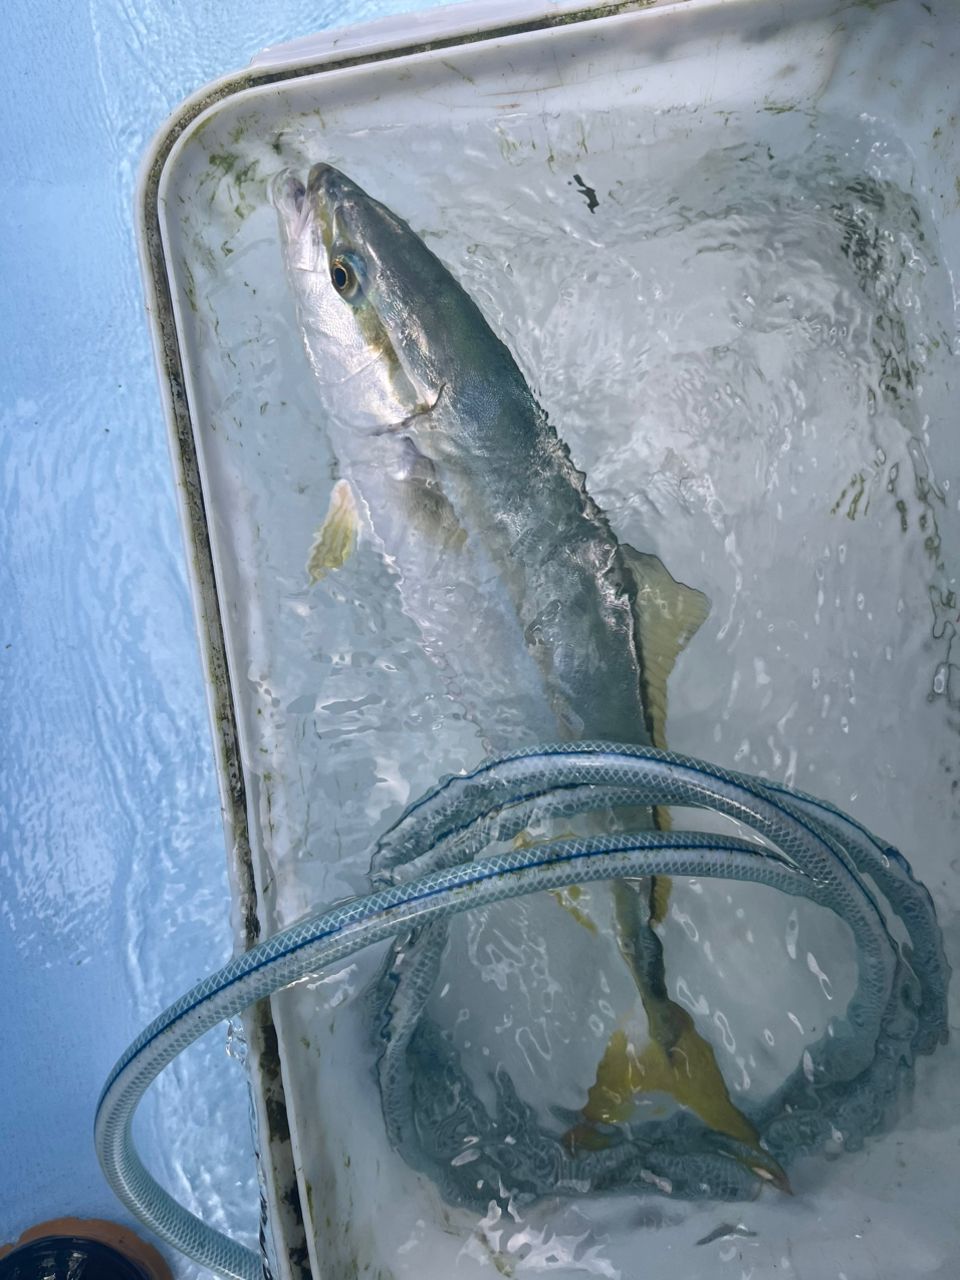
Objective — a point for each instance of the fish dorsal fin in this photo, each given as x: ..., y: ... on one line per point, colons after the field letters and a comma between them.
x: 667, y: 615
x: 337, y: 536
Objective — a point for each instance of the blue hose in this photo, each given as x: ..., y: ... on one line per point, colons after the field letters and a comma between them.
x: 427, y: 869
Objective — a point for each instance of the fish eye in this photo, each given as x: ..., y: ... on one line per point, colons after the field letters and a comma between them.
x: 345, y: 276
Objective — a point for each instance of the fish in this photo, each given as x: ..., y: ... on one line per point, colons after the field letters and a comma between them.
x: 520, y: 588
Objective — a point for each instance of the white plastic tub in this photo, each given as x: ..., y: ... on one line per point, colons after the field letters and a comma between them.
x: 540, y: 150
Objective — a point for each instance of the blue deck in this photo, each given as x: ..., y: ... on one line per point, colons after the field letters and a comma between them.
x: 113, y: 887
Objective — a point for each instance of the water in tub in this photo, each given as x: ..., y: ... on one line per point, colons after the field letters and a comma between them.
x: 745, y: 350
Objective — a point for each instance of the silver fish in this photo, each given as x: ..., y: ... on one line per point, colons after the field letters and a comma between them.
x: 511, y: 571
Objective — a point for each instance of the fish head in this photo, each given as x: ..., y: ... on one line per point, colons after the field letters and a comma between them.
x: 390, y: 333
x: 362, y: 280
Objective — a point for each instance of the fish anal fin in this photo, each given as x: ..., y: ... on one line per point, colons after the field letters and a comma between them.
x: 667, y: 615
x: 337, y: 536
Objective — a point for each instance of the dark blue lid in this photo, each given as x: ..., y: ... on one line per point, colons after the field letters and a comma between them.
x: 68, y: 1258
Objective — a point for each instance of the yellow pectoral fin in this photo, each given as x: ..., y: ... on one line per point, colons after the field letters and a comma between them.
x: 337, y: 536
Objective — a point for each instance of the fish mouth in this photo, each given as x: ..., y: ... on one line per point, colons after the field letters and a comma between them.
x: 329, y: 184
x: 300, y: 231
x: 307, y: 211
x: 337, y: 202
x: 287, y: 194
x: 325, y: 193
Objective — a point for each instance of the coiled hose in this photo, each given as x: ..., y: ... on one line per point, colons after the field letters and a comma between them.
x: 426, y: 869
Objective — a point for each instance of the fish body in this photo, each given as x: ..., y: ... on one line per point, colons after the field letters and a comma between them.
x: 457, y: 472
x: 519, y: 586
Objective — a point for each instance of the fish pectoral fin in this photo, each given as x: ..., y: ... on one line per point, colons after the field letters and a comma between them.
x: 337, y: 536
x: 667, y: 615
